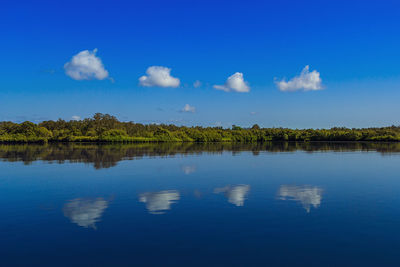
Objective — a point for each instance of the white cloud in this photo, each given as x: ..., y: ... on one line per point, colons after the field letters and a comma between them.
x: 307, y: 195
x: 253, y: 113
x: 235, y: 194
x: 234, y: 83
x: 197, y: 84
x: 307, y: 81
x: 159, y: 202
x: 188, y: 108
x: 158, y: 76
x: 86, y: 66
x: 76, y: 118
x: 85, y: 212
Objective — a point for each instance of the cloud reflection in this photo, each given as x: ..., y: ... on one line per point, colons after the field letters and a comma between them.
x: 85, y: 212
x: 307, y: 195
x: 159, y: 202
x: 235, y: 194
x: 188, y: 169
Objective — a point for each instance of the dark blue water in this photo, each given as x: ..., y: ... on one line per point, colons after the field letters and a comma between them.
x: 324, y: 205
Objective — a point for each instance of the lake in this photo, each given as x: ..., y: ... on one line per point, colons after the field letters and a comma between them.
x: 274, y: 204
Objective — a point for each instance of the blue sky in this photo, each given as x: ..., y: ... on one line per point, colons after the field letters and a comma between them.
x: 353, y: 46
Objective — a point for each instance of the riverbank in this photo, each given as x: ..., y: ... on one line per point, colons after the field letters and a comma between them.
x: 107, y: 129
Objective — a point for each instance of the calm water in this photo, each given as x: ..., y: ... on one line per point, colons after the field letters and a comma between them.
x: 282, y: 204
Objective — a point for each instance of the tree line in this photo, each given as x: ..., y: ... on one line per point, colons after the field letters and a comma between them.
x: 107, y: 128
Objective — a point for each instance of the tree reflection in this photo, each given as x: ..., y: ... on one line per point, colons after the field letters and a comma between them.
x: 108, y: 155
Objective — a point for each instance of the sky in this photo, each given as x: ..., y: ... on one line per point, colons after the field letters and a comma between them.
x: 297, y: 64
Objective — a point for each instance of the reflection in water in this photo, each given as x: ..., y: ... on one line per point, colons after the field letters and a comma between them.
x: 307, y: 195
x: 85, y: 212
x: 235, y: 194
x: 108, y: 155
x: 159, y: 202
x: 188, y: 169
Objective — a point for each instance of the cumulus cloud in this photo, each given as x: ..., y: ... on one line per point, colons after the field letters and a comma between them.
x: 307, y: 195
x: 85, y: 212
x: 306, y: 81
x: 235, y: 194
x: 189, y: 109
x: 158, y: 76
x: 159, y: 202
x: 86, y: 66
x: 76, y: 118
x: 234, y: 83
x: 197, y: 84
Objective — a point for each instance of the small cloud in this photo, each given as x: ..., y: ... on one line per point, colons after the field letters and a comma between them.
x: 235, y: 194
x: 306, y: 81
x: 188, y: 169
x: 188, y: 109
x: 159, y: 202
x: 253, y: 113
x: 234, y: 83
x: 197, y: 84
x: 86, y: 66
x: 158, y: 76
x: 308, y: 196
x: 75, y: 118
x: 85, y: 212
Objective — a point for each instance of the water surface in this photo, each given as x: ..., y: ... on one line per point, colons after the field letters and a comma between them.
x: 275, y: 204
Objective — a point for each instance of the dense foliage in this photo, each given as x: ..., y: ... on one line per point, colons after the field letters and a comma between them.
x: 106, y: 128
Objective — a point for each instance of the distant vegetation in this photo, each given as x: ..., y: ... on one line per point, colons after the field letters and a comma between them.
x: 106, y: 128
